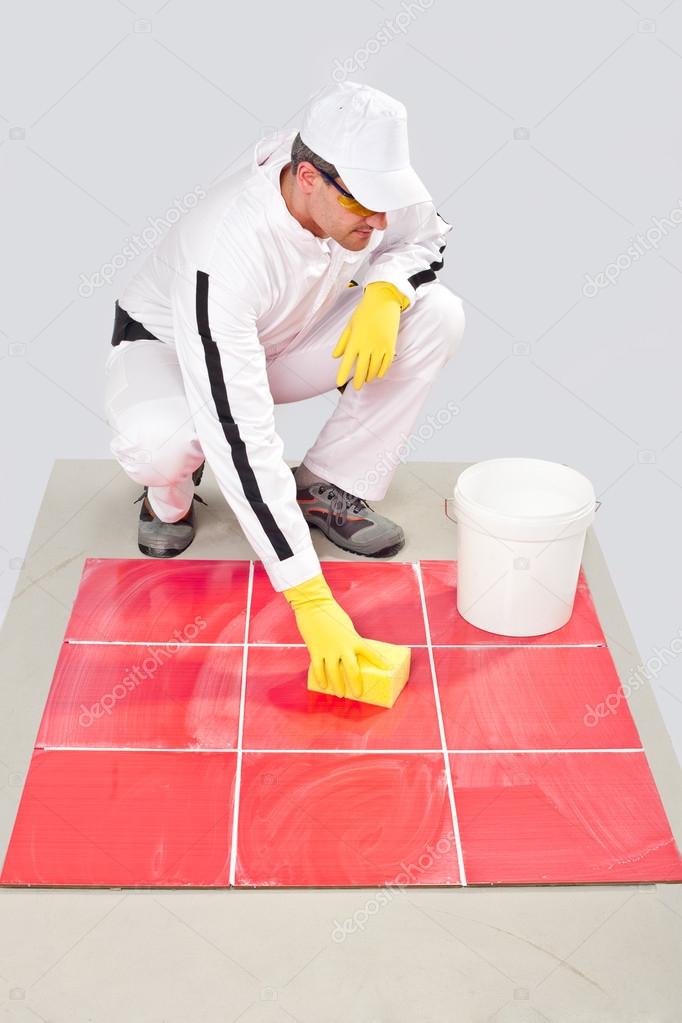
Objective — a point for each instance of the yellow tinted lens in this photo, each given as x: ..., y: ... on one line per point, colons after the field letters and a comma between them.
x: 355, y: 207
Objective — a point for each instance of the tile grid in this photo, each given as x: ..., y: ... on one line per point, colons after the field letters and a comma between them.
x: 240, y: 734
x: 240, y: 749
x: 441, y: 729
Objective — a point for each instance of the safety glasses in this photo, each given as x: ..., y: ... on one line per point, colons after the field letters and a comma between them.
x: 348, y: 201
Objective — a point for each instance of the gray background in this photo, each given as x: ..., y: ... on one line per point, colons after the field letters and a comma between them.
x: 549, y: 135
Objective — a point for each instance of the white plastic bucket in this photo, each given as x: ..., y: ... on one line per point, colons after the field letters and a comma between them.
x: 521, y: 532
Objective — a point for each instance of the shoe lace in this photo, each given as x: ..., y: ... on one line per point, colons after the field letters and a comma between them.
x: 342, y: 501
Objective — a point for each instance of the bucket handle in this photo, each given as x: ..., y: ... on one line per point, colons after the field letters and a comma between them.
x: 448, y: 500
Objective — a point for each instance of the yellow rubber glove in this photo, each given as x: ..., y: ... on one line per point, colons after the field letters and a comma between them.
x: 370, y: 335
x: 331, y: 638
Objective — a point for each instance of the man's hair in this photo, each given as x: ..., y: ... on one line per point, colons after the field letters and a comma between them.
x: 300, y: 152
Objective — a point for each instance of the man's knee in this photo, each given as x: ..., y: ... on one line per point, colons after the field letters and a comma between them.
x: 446, y: 313
x: 157, y: 444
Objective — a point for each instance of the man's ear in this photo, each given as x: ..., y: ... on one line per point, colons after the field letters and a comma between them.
x: 306, y: 176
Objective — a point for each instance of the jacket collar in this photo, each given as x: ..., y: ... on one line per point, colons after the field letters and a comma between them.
x: 269, y: 156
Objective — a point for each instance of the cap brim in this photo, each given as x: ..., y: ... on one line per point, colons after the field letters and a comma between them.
x: 385, y: 190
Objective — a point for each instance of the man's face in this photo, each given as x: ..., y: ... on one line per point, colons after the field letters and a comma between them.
x: 320, y: 212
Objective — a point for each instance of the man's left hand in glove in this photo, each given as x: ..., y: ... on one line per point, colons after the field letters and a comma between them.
x: 369, y: 339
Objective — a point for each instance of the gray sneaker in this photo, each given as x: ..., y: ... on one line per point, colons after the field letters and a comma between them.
x: 348, y: 521
x: 159, y: 539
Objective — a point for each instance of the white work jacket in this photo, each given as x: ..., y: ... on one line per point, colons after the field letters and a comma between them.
x: 235, y: 277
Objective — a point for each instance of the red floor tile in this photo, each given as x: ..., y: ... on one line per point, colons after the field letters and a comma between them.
x: 123, y: 818
x: 382, y: 599
x: 561, y: 818
x: 153, y: 696
x: 144, y: 600
x: 532, y: 698
x: 447, y: 625
x: 344, y: 819
x: 280, y: 712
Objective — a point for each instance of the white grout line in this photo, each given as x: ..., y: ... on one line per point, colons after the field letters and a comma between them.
x: 415, y: 646
x: 143, y: 642
x: 446, y: 760
x: 504, y: 646
x: 439, y: 749
x: 347, y: 750
x: 140, y: 749
x: 240, y: 734
x: 602, y: 749
x: 258, y: 643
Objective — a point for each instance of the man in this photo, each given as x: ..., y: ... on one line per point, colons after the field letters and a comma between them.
x: 288, y: 265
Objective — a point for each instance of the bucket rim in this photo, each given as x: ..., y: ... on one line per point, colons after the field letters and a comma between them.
x: 465, y: 504
x: 487, y: 463
x: 483, y: 462
x: 465, y: 500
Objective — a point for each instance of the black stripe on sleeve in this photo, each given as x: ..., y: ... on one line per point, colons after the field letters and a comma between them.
x: 427, y: 275
x: 238, y: 450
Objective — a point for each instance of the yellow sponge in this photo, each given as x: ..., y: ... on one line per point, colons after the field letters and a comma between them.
x: 380, y: 686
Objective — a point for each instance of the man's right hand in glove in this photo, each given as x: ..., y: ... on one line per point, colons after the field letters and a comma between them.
x: 331, y: 638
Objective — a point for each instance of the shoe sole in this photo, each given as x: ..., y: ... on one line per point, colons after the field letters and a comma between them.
x: 385, y: 552
x: 162, y: 552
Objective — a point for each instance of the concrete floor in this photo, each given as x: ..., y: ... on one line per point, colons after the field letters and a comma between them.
x: 584, y: 954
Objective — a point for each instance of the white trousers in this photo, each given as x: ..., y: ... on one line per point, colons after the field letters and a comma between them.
x: 359, y: 446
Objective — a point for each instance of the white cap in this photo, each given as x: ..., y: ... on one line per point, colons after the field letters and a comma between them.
x: 363, y: 132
